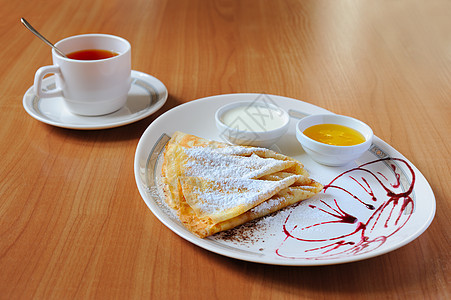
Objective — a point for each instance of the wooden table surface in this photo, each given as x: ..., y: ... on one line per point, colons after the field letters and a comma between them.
x: 72, y: 222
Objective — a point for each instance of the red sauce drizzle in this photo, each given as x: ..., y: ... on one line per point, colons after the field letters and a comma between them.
x: 357, y: 240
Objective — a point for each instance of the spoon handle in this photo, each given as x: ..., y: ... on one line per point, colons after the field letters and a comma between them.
x: 29, y: 27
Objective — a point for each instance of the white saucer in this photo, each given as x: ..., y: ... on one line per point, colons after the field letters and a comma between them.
x: 146, y: 96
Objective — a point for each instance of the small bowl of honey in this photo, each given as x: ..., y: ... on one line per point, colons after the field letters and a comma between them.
x: 333, y: 140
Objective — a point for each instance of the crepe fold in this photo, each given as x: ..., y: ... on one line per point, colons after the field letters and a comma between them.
x: 215, y: 186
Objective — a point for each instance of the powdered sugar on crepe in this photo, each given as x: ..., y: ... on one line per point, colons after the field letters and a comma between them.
x: 214, y: 186
x: 229, y: 162
x: 225, y: 195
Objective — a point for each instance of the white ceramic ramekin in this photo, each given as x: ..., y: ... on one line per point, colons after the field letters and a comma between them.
x: 258, y: 138
x: 329, y: 154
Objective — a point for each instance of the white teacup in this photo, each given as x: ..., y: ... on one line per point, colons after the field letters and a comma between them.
x: 89, y: 87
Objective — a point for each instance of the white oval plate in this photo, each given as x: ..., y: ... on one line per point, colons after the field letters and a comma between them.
x: 147, y: 95
x: 370, y: 207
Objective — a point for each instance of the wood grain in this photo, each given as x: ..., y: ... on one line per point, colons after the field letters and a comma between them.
x: 72, y: 223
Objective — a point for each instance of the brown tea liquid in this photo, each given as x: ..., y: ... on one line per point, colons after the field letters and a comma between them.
x: 91, y: 54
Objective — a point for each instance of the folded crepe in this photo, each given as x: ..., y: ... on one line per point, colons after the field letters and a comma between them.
x: 215, y: 186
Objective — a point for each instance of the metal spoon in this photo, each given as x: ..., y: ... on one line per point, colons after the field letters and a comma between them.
x: 29, y: 27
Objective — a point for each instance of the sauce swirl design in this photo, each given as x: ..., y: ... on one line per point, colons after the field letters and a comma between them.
x: 388, y: 207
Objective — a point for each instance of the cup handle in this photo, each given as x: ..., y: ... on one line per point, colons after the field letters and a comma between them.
x: 39, y: 76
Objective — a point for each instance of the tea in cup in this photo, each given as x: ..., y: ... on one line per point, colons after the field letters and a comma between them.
x: 94, y: 79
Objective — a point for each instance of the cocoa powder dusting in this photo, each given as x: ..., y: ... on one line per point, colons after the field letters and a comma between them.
x: 248, y: 233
